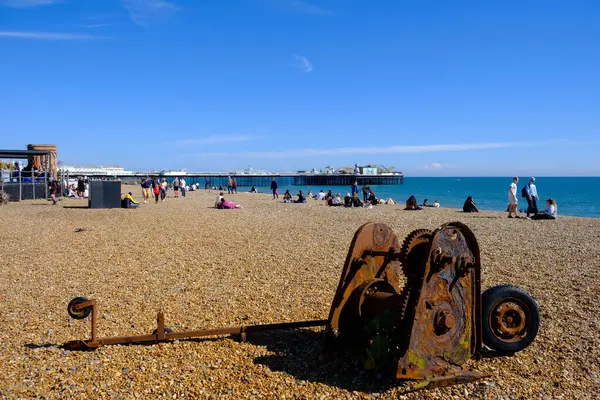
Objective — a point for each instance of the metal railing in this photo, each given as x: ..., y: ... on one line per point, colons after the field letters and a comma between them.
x: 17, y: 184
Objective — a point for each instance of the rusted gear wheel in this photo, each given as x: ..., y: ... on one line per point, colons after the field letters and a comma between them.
x: 416, y: 237
x: 409, y: 266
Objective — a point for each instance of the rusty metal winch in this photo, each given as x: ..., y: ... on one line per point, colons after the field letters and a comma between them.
x: 414, y: 307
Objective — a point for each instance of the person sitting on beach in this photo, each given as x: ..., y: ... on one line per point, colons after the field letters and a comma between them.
x: 372, y: 199
x: 348, y: 200
x: 551, y: 211
x: 228, y: 205
x: 411, y: 204
x: 310, y: 194
x: 253, y: 190
x: 218, y: 200
x: 301, y: 198
x: 356, y: 201
x: 336, y: 201
x: 436, y: 204
x: 321, y: 195
x: 426, y: 203
x: 71, y: 192
x: 328, y: 196
x: 287, y: 196
x: 129, y: 201
x: 469, y: 205
x: 390, y: 201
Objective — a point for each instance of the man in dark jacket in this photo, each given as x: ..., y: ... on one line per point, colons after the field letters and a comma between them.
x: 274, y: 189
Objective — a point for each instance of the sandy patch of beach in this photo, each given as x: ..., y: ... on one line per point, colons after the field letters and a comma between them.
x: 268, y: 262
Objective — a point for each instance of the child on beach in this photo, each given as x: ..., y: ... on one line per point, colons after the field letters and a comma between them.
x: 218, y: 200
x: 227, y: 205
x: 156, y: 191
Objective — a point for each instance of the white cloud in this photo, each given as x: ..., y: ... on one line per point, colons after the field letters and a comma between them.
x: 47, y: 35
x: 26, y: 3
x: 217, y: 139
x: 430, y: 148
x: 303, y: 64
x: 145, y: 12
x: 93, y: 26
x: 434, y: 166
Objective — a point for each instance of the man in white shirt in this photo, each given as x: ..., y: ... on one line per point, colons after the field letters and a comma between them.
x: 532, y: 197
x: 183, y: 188
x: 321, y: 195
x: 512, y: 199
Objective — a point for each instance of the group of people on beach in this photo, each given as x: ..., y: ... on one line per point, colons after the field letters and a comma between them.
x: 529, y: 192
x: 159, y: 188
x: 350, y: 200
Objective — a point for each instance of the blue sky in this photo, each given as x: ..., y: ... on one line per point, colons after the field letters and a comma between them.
x: 431, y: 87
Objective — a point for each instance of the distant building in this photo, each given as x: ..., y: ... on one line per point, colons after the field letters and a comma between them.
x: 368, y: 170
x: 94, y: 170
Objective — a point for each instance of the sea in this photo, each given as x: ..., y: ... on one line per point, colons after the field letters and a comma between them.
x: 575, y: 196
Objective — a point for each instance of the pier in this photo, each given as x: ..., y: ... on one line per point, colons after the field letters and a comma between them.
x: 262, y: 180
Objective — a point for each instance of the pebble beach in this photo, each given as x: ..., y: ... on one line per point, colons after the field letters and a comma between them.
x: 267, y: 262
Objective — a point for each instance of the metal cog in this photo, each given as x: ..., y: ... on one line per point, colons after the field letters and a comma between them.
x: 416, y: 237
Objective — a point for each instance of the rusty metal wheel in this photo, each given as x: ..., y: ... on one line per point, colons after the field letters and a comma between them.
x: 510, y: 319
x: 78, y: 313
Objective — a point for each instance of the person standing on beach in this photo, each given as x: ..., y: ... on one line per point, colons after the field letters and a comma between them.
x: 80, y: 186
x: 146, y: 183
x: 176, y: 187
x: 365, y: 190
x: 206, y: 184
x: 274, y: 188
x: 156, y: 191
x: 229, y: 185
x: 54, y: 191
x: 164, y: 185
x: 354, y: 188
x: 182, y: 185
x: 532, y: 197
x: 234, y: 186
x: 513, y: 202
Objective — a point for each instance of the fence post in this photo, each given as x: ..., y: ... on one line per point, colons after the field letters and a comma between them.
x: 46, y: 167
x: 33, y: 183
x: 20, y: 185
